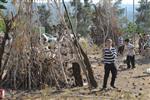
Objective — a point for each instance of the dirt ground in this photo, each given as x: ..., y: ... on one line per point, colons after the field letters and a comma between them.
x: 133, y: 84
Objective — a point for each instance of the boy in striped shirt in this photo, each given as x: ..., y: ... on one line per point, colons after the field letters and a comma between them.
x: 109, y: 55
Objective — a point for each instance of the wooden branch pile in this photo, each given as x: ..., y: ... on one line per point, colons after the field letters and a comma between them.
x: 29, y: 64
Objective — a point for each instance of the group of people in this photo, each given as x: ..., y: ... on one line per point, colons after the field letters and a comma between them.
x: 109, y: 57
x: 144, y: 42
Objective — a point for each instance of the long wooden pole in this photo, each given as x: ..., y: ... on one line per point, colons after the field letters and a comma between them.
x: 85, y: 64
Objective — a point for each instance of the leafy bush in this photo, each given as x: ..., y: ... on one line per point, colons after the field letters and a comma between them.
x: 2, y: 25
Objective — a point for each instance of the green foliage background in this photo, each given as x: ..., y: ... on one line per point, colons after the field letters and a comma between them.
x: 2, y: 25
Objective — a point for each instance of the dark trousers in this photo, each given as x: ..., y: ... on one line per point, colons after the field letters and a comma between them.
x: 109, y: 68
x: 131, y: 60
x: 121, y: 49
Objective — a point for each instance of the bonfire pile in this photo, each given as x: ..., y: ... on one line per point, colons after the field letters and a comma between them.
x: 30, y: 63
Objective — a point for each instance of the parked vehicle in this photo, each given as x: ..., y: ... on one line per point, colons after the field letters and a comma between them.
x: 48, y: 38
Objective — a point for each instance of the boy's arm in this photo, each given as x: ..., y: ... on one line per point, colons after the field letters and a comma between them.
x: 115, y: 53
x: 103, y: 52
x: 132, y: 47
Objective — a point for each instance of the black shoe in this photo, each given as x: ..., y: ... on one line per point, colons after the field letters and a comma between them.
x: 103, y: 89
x: 133, y: 67
x: 113, y: 87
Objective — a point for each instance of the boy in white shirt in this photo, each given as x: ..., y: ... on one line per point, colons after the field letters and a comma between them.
x: 130, y: 54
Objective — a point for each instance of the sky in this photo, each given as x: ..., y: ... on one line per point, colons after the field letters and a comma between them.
x: 129, y: 1
x: 95, y: 1
x: 123, y: 1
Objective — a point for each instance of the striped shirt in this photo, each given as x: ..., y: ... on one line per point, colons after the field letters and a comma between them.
x: 109, y: 55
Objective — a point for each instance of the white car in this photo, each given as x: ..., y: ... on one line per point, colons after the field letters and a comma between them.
x: 49, y: 38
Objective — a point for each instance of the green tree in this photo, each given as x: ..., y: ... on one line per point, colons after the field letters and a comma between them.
x: 106, y: 19
x: 45, y: 18
x: 83, y: 16
x: 2, y: 2
x: 119, y: 13
x: 2, y: 23
x: 143, y: 15
x: 131, y: 30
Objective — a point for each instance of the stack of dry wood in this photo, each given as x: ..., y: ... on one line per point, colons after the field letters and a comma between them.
x: 29, y: 64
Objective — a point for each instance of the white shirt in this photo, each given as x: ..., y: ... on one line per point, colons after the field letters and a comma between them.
x: 130, y: 49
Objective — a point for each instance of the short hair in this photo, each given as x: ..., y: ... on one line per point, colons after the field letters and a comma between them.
x: 126, y: 40
x: 109, y: 40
